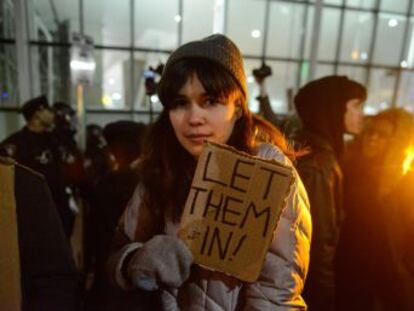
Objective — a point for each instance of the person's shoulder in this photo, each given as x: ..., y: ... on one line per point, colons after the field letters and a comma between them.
x: 319, y: 159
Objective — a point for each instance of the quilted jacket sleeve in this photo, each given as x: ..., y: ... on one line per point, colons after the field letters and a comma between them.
x: 282, y: 278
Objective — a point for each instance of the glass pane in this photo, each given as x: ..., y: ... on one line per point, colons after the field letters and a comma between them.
x: 108, y: 22
x: 323, y: 70
x: 156, y: 24
x: 143, y: 100
x: 10, y: 122
x: 400, y: 6
x: 358, y: 74
x: 381, y: 89
x: 289, y: 17
x: 247, y: 32
x: 51, y: 73
x: 329, y: 34
x: 7, y: 19
x: 279, y: 85
x: 8, y: 76
x: 406, y: 92
x: 357, y: 36
x: 53, y: 20
x: 365, y: 4
x: 390, y: 29
x: 112, y: 75
x: 409, y: 51
x: 194, y: 27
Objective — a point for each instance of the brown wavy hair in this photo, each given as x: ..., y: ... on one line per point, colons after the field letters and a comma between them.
x: 166, y: 168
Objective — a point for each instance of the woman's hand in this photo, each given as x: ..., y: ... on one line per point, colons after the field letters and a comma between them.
x: 163, y: 260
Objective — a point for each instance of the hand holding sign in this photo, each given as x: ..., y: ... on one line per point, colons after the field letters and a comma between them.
x: 232, y: 210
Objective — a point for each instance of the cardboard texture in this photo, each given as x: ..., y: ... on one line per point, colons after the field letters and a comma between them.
x: 232, y: 210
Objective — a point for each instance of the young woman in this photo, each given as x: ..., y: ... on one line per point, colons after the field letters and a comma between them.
x: 203, y: 90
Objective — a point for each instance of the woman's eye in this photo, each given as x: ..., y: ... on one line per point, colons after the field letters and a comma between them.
x: 178, y: 103
x: 210, y: 101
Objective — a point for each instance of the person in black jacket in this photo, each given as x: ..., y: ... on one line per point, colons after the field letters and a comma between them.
x: 48, y: 278
x: 328, y: 108
x: 34, y: 147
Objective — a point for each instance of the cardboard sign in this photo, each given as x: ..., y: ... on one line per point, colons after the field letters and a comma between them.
x: 232, y: 210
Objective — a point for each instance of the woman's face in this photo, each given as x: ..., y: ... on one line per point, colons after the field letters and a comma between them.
x: 197, y: 116
x: 353, y: 116
x: 375, y: 137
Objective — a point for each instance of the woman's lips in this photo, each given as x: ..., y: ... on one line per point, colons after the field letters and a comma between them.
x: 198, y: 138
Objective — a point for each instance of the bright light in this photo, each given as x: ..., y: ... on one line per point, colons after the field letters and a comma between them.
x: 409, y: 157
x: 116, y: 96
x: 285, y: 10
x: 250, y: 79
x: 256, y: 33
x: 404, y: 64
x: 106, y: 100
x: 111, y: 81
x: 364, y: 55
x: 177, y: 18
x: 392, y: 23
x: 154, y: 99
x: 355, y: 55
x: 81, y: 65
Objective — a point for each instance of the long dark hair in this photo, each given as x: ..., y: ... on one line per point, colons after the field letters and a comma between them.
x: 166, y: 168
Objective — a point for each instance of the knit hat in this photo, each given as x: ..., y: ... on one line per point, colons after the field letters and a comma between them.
x: 33, y: 105
x: 218, y: 49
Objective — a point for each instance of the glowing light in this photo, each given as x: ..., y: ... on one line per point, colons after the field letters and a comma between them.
x: 177, y: 18
x: 250, y: 79
x: 116, y: 96
x: 392, y: 23
x: 154, y: 99
x: 81, y: 65
x: 106, y: 100
x: 404, y: 64
x: 409, y: 157
x: 364, y: 55
x: 256, y: 33
x: 111, y: 81
x: 355, y: 54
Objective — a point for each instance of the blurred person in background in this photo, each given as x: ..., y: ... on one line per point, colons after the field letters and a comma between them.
x: 110, y: 196
x: 328, y: 108
x: 34, y: 147
x: 364, y: 261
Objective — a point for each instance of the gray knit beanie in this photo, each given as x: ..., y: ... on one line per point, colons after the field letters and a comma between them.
x: 218, y: 49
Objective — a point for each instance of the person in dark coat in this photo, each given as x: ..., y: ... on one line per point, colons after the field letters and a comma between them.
x: 48, y: 279
x: 34, y: 147
x: 328, y: 108
x: 364, y: 246
x: 110, y: 196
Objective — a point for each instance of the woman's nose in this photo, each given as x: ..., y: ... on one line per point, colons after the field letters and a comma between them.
x: 196, y: 115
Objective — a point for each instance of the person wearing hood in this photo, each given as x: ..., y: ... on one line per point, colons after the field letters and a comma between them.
x: 328, y: 108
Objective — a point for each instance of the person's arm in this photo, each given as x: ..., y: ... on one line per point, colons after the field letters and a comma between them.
x: 282, y: 278
x: 321, y: 186
x: 49, y: 277
x: 153, y: 262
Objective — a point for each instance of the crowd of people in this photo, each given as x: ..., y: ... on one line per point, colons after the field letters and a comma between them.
x: 342, y: 241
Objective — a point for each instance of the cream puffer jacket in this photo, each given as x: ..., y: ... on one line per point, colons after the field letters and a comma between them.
x: 281, y: 280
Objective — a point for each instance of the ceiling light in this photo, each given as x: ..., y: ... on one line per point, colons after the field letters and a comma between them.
x: 392, y: 23
x: 256, y: 33
x: 404, y: 64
